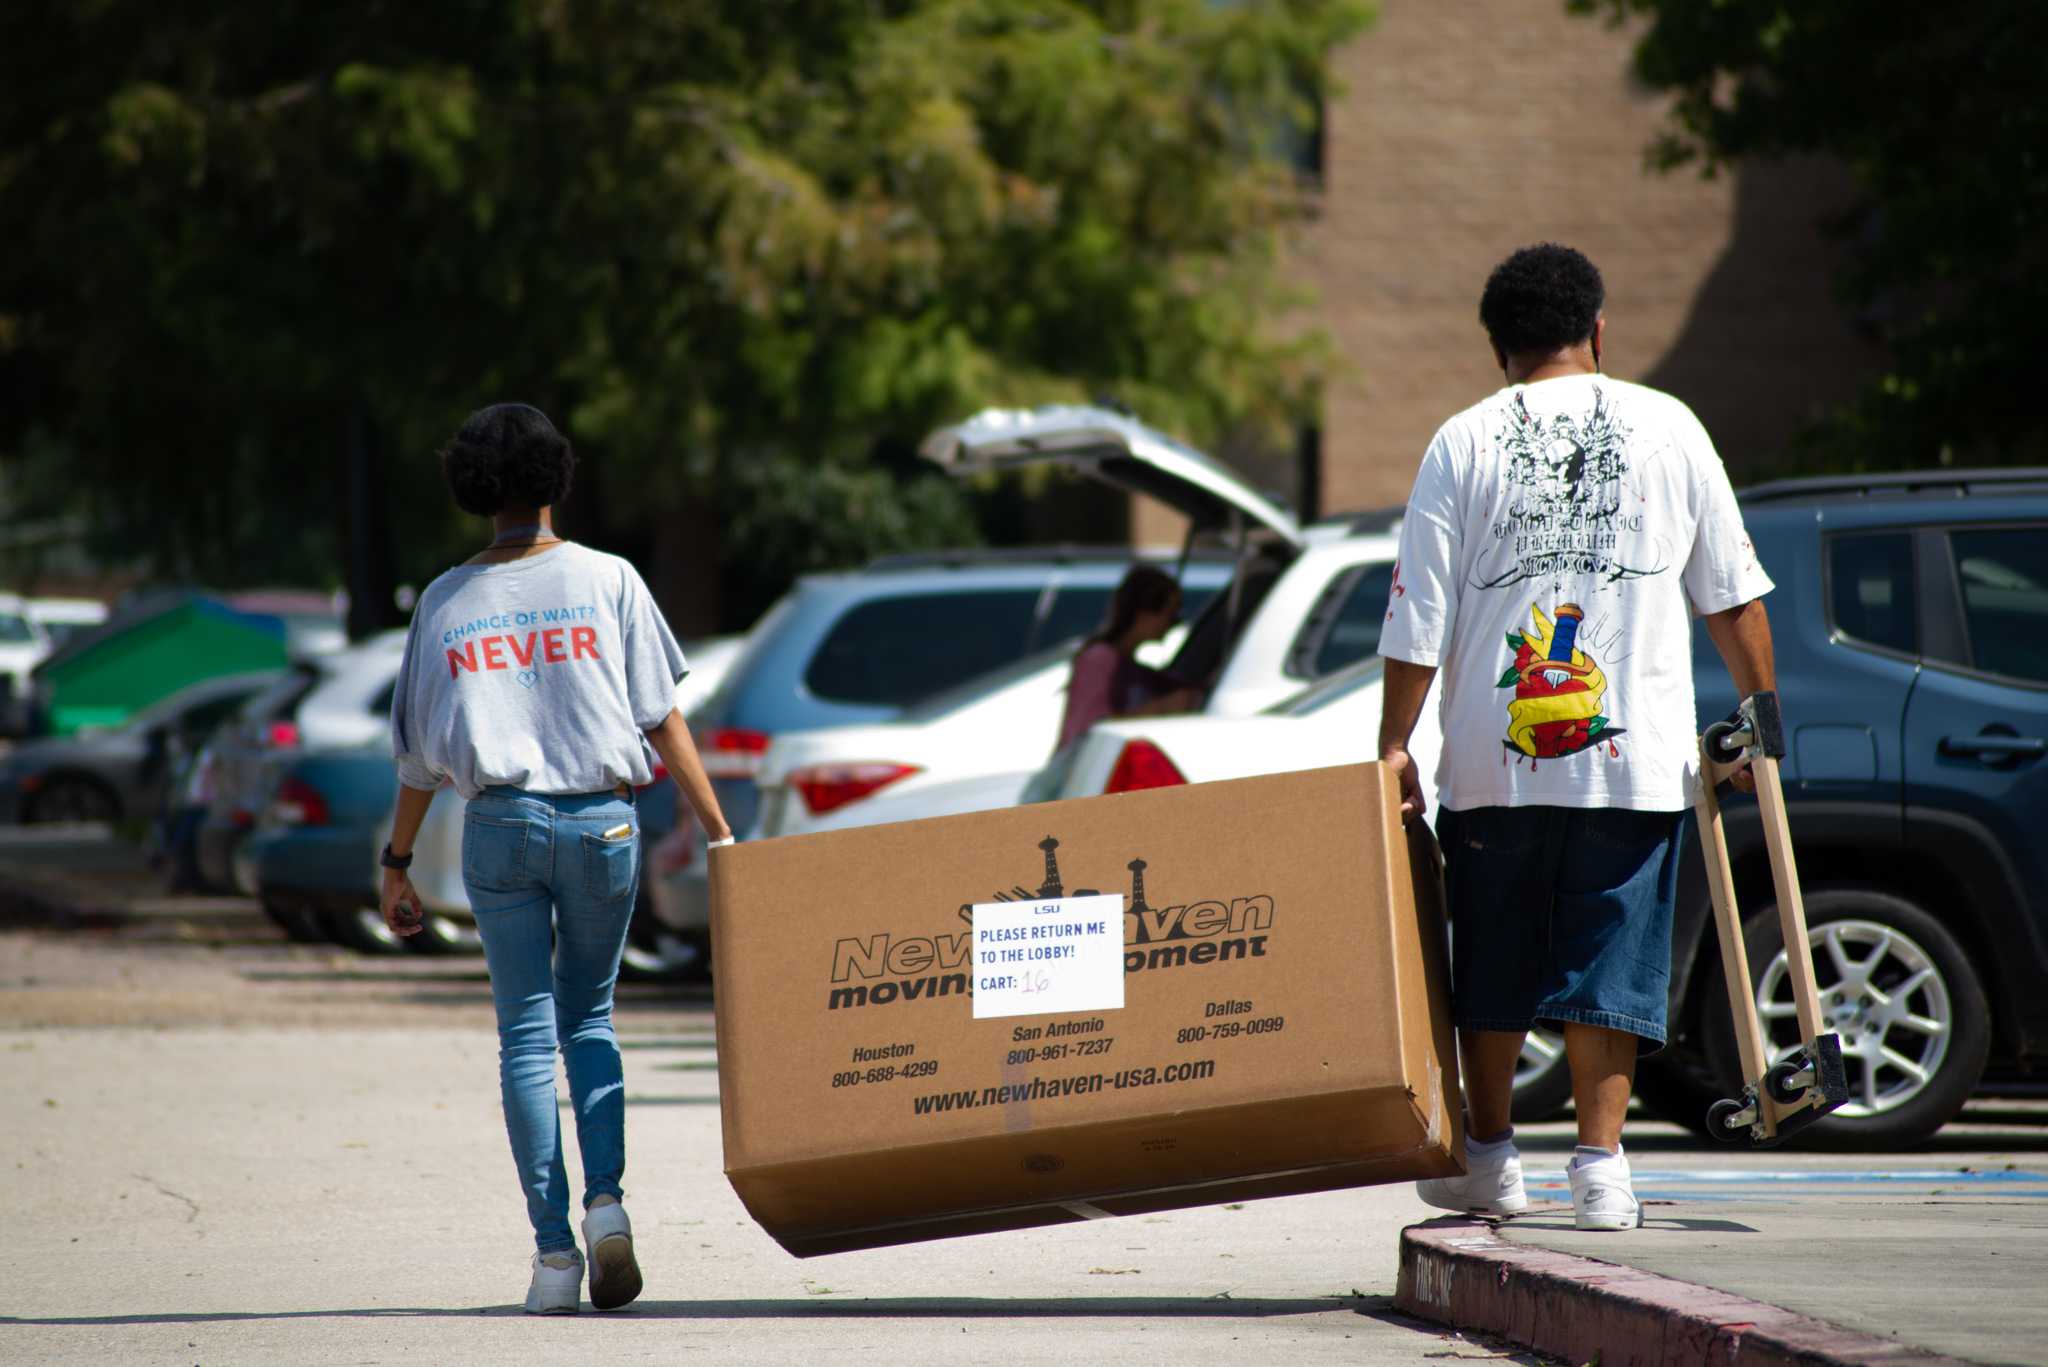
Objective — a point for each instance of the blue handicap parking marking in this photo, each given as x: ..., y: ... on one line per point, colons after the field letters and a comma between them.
x: 1733, y: 1184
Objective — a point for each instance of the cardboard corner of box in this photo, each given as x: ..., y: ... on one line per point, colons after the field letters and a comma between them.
x: 1284, y: 1027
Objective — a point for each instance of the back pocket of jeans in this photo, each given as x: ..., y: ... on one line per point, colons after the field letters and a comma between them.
x: 609, y: 867
x: 494, y: 853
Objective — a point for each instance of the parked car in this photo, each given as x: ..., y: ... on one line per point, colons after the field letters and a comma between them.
x: 62, y: 618
x: 311, y: 856
x: 329, y: 701
x: 1911, y: 628
x: 860, y: 647
x: 1336, y: 721
x: 31, y: 629
x: 710, y: 659
x: 1303, y: 602
x: 115, y: 773
x: 23, y: 644
x: 970, y: 748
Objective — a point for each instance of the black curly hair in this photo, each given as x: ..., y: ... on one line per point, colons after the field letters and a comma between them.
x: 507, y: 456
x: 1541, y: 299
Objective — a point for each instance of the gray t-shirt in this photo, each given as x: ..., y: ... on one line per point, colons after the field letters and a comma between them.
x: 542, y: 673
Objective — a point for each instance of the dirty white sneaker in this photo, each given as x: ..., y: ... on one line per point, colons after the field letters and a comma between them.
x: 614, y: 1274
x: 557, y: 1287
x: 1603, y: 1192
x: 1492, y: 1184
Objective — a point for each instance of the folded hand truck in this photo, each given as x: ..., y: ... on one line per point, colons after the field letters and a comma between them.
x: 1778, y: 1099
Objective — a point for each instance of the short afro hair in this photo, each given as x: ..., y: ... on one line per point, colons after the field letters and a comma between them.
x: 1542, y: 299
x: 507, y: 456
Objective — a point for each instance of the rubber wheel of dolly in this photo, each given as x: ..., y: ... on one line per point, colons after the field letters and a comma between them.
x: 1718, y: 1117
x: 1715, y: 742
x: 1778, y: 1081
x: 1969, y: 1044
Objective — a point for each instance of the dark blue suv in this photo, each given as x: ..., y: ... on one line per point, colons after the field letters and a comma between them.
x: 1911, y: 627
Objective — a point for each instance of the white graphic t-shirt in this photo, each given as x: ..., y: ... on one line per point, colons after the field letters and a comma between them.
x: 1558, y: 540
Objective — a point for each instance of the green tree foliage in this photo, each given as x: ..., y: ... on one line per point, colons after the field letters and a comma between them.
x: 734, y: 243
x: 1941, y: 114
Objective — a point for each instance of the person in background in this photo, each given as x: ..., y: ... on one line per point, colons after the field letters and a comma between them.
x: 1560, y: 538
x: 1107, y: 680
x: 539, y: 679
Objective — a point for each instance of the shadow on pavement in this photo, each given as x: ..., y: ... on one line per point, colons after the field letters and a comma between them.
x: 1561, y: 1221
x: 818, y: 1307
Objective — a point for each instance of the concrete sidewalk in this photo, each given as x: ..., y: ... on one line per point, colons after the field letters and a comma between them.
x: 1780, y: 1256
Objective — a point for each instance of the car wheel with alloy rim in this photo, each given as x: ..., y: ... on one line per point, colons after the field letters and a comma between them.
x: 363, y: 930
x: 656, y: 953
x: 1543, y: 1080
x: 74, y: 798
x: 444, y: 934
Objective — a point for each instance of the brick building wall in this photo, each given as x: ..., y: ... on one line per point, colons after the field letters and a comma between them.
x: 1466, y: 128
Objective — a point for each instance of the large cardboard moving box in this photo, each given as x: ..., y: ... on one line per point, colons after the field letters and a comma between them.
x: 1285, y: 1024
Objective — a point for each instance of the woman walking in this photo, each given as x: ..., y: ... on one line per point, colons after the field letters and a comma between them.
x: 1107, y: 680
x: 537, y: 677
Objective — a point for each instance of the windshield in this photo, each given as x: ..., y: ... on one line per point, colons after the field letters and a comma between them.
x: 164, y: 709
x: 981, y: 685
x: 15, y: 630
x: 1342, y: 684
x: 282, y: 696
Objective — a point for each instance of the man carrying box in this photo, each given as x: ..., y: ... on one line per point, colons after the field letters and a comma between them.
x: 1559, y: 536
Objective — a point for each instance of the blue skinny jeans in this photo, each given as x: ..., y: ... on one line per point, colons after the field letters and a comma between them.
x: 552, y: 897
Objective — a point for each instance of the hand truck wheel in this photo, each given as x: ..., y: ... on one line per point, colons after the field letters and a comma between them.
x: 1787, y: 1081
x: 1715, y: 742
x: 1721, y: 1122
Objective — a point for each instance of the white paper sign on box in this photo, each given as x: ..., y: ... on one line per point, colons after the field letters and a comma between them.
x: 1032, y: 958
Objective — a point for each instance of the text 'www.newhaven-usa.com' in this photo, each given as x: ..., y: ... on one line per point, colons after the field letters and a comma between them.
x: 1048, y: 1088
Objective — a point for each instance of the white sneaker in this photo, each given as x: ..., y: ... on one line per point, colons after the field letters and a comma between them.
x: 1492, y: 1184
x: 557, y: 1287
x: 614, y: 1274
x: 1603, y: 1193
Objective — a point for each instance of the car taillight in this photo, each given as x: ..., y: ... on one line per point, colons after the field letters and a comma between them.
x: 827, y: 787
x: 1143, y: 765
x: 732, y: 751
x: 283, y: 734
x: 298, y: 803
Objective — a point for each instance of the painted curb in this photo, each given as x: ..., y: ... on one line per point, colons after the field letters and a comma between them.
x: 1457, y: 1271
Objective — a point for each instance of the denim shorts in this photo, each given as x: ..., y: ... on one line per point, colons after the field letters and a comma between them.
x: 1561, y: 915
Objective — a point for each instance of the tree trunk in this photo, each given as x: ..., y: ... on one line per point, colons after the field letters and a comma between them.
x: 684, y: 569
x: 372, y: 577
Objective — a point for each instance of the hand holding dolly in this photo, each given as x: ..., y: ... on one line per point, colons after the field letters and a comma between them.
x: 1778, y: 1099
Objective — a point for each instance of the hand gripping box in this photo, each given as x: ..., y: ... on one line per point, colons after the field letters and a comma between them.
x: 1277, y: 945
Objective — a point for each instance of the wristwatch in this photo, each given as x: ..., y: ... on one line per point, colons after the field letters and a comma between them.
x: 394, y: 861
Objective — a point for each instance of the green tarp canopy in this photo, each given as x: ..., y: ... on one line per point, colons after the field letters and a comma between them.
x: 150, y: 650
